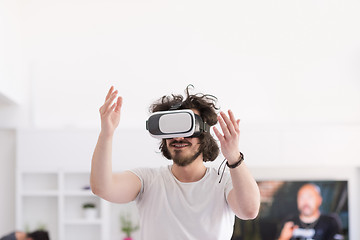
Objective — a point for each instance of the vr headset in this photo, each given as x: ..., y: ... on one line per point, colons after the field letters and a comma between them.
x: 176, y: 123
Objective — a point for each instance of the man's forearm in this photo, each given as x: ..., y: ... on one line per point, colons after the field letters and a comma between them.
x: 245, y: 193
x: 101, y: 165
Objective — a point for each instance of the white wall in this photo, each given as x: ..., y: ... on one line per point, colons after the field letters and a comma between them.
x: 330, y: 146
x: 10, y: 30
x: 7, y: 181
x: 14, y: 102
x: 271, y: 62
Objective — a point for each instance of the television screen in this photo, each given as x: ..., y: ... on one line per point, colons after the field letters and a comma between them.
x: 298, y: 210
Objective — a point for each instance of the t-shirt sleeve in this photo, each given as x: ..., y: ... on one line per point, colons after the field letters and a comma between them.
x: 145, y: 175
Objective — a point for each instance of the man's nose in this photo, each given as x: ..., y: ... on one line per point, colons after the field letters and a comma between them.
x: 179, y: 138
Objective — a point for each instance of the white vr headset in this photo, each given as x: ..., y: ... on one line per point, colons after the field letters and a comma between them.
x: 176, y: 123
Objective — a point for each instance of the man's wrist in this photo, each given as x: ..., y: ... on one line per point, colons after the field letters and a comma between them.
x: 105, y: 135
x: 231, y: 159
x: 237, y: 162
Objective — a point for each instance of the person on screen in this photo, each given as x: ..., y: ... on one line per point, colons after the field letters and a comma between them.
x: 311, y: 224
x: 19, y: 235
x: 184, y: 200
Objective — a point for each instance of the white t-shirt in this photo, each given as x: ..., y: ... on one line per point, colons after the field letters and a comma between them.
x: 170, y: 209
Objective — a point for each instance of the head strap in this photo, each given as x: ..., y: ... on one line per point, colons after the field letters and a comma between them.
x: 176, y: 106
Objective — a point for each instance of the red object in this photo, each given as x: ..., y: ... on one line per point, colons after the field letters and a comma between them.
x: 128, y: 238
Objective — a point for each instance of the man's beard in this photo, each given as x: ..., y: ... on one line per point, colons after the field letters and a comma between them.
x: 307, y: 211
x: 183, y: 161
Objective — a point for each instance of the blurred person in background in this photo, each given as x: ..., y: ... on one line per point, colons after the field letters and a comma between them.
x: 310, y: 223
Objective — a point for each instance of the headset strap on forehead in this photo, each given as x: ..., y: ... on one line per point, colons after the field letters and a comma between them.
x: 176, y: 106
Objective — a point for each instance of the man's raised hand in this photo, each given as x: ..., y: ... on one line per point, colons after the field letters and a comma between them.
x: 229, y: 140
x: 110, y: 112
x: 287, y: 231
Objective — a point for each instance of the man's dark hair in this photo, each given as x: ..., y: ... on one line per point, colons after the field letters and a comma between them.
x: 39, y: 235
x: 206, y: 105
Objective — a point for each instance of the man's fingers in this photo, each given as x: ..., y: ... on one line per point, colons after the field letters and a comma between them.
x: 229, y: 123
x: 109, y: 93
x: 231, y: 115
x: 223, y: 126
x: 218, y: 134
x: 105, y: 108
x: 118, y: 104
x: 289, y: 225
x: 112, y: 108
x: 234, y: 121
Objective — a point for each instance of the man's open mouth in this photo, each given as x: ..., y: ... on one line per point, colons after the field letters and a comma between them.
x: 179, y: 145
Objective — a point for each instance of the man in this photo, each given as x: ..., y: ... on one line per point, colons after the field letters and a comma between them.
x: 185, y: 200
x: 311, y: 224
x: 19, y: 235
